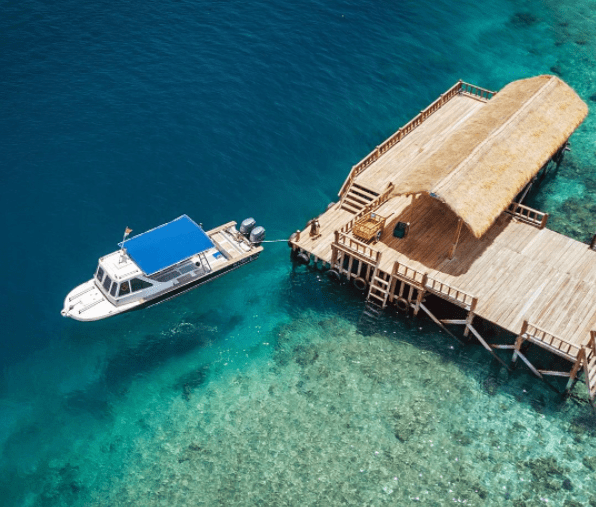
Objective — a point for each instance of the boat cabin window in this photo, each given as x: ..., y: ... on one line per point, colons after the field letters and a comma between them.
x: 113, y: 290
x: 106, y: 283
x: 99, y: 274
x: 138, y: 284
x: 124, y: 289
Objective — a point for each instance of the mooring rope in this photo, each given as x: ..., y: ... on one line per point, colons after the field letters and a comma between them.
x: 274, y: 240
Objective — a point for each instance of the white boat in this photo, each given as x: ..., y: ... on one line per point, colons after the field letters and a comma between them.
x: 160, y: 264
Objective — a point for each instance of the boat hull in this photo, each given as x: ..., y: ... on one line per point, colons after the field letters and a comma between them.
x: 171, y: 294
x: 100, y: 308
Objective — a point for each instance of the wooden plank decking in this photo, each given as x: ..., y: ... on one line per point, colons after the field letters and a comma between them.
x: 517, y: 271
x: 420, y: 144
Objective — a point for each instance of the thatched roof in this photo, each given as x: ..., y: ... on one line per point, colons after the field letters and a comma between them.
x: 485, y: 163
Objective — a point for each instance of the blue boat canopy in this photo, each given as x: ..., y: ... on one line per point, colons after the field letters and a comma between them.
x: 167, y: 244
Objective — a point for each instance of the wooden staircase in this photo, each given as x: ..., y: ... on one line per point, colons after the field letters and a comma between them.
x: 378, y: 291
x: 357, y: 198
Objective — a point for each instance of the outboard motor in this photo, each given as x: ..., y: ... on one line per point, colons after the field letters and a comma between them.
x: 257, y: 235
x: 246, y: 226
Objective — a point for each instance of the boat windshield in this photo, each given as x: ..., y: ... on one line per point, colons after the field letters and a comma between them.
x: 138, y: 284
x: 99, y: 274
x: 124, y: 289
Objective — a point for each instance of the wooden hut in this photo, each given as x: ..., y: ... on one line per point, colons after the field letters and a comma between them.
x: 468, y: 160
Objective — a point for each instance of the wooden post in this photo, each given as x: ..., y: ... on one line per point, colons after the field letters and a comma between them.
x: 517, y: 352
x: 581, y: 357
x: 411, y: 294
x: 519, y: 340
x: 438, y: 322
x: 350, y: 261
x: 470, y: 317
x: 488, y: 347
x: 392, y: 287
x: 543, y: 221
x: 456, y: 240
x: 420, y: 295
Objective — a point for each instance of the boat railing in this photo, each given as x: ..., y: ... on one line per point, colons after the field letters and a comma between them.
x: 90, y: 305
x: 84, y: 291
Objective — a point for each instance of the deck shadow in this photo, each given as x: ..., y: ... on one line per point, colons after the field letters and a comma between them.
x: 433, y: 227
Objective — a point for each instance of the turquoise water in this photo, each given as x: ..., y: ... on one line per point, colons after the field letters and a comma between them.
x: 259, y: 389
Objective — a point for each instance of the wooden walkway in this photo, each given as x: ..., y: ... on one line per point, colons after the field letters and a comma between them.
x: 529, y: 280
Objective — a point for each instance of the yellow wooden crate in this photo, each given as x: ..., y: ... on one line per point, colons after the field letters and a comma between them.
x: 369, y: 226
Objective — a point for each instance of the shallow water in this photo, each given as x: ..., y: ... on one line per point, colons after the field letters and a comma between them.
x: 259, y: 388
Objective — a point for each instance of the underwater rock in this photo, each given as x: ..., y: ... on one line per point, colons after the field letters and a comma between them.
x: 519, y: 426
x: 556, y: 69
x: 592, y: 97
x: 490, y: 385
x: 523, y: 19
x: 589, y: 462
x: 567, y: 485
x: 403, y: 433
x: 305, y: 355
x: 411, y: 420
x: 191, y: 451
x: 583, y: 425
x: 94, y: 400
x: 538, y: 404
x: 462, y: 438
x: 188, y: 382
x: 62, y: 486
x: 547, y: 471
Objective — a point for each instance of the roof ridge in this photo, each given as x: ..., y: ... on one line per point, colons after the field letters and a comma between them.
x: 482, y: 146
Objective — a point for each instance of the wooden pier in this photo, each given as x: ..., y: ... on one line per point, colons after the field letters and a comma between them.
x: 445, y: 193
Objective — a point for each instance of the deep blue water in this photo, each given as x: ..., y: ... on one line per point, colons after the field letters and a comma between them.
x: 133, y: 113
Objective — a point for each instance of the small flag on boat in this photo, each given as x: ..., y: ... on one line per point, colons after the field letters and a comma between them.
x: 127, y: 231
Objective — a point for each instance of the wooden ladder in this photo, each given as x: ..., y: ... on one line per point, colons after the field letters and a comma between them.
x: 590, y: 365
x: 369, y: 317
x: 357, y: 198
x: 378, y: 291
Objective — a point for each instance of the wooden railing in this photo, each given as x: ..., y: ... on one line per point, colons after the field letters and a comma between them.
x: 458, y: 88
x: 371, y: 206
x: 346, y: 242
x: 551, y: 342
x: 441, y: 289
x: 456, y: 296
x: 408, y: 274
x: 528, y: 215
x: 590, y: 365
x: 476, y: 91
